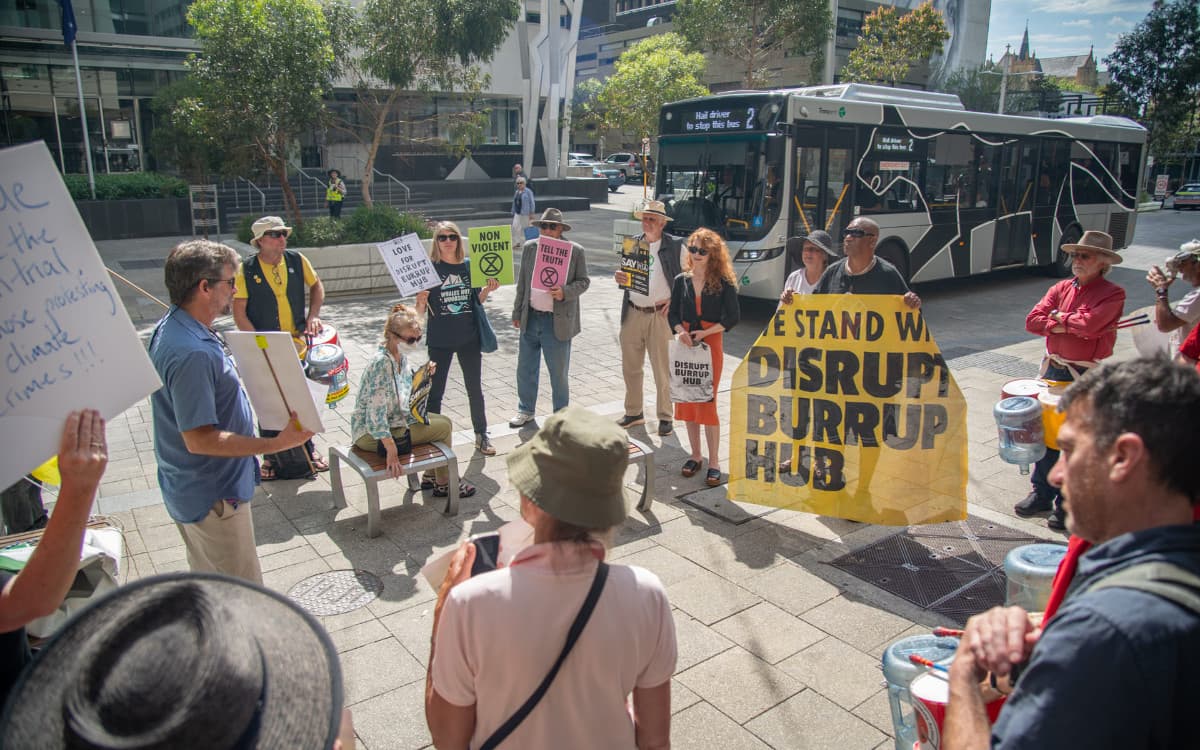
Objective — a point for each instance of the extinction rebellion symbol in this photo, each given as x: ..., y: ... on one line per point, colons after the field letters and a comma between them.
x: 491, y: 265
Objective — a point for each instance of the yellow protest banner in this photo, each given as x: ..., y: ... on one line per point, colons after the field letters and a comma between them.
x: 845, y: 407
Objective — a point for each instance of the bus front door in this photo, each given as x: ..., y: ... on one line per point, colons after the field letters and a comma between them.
x: 822, y: 194
x: 1014, y: 209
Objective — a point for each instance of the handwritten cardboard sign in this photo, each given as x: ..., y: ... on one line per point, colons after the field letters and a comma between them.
x: 65, y: 338
x: 409, y: 264
x: 551, y: 263
x: 491, y: 255
x: 635, y: 262
x: 274, y: 378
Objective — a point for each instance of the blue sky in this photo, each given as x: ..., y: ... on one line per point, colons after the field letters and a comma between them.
x: 1063, y: 27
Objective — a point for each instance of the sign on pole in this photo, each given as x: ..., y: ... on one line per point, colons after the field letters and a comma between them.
x: 491, y: 255
x: 1161, y: 185
x: 553, y: 261
x: 68, y: 342
x: 409, y: 264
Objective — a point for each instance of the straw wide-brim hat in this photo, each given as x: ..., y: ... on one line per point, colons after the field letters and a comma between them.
x: 552, y: 216
x: 653, y: 208
x: 182, y: 661
x: 1098, y: 242
x: 574, y: 468
x: 266, y: 224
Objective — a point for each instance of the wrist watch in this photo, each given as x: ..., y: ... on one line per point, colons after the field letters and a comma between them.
x: 1160, y: 292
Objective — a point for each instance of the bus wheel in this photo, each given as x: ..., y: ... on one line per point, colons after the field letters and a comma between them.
x: 1060, y: 267
x: 893, y: 253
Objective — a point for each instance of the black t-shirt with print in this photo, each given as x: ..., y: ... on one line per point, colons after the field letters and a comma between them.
x: 14, y: 654
x: 451, y: 320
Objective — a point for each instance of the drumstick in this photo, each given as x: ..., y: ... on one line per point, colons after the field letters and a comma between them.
x: 922, y: 661
x: 262, y: 346
x: 1131, y: 318
x: 1130, y: 324
x: 949, y: 632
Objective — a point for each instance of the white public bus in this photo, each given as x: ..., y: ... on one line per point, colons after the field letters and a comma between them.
x: 954, y: 192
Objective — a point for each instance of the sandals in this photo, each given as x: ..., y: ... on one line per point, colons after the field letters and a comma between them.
x: 427, y: 482
x: 464, y: 490
x: 266, y: 471
x: 318, y: 463
x: 713, y: 478
x: 690, y: 467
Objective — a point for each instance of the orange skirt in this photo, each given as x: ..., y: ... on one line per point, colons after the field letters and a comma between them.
x: 705, y: 413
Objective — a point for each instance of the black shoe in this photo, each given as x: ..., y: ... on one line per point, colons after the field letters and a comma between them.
x: 631, y: 420
x: 665, y: 427
x: 1033, y: 504
x: 1057, y: 520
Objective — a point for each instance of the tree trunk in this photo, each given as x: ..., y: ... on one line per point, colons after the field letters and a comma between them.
x: 382, y: 114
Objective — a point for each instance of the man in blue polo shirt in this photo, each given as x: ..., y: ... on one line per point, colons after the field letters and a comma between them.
x: 203, y: 428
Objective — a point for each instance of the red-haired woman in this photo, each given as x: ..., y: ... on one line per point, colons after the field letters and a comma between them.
x: 704, y: 304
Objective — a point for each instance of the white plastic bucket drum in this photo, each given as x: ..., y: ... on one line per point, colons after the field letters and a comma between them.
x: 327, y: 364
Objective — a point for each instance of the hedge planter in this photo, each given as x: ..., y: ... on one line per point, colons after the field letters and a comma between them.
x: 352, y: 270
x: 141, y: 217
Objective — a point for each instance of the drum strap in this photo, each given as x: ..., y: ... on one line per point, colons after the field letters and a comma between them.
x: 1162, y: 579
x: 1075, y: 367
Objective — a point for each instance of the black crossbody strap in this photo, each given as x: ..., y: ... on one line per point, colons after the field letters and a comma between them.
x: 581, y: 619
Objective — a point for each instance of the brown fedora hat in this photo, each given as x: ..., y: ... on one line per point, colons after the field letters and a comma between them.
x: 1098, y: 242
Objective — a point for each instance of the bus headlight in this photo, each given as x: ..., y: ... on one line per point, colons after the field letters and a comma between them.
x: 759, y: 253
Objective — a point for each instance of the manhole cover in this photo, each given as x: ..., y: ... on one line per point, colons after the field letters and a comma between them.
x: 336, y: 593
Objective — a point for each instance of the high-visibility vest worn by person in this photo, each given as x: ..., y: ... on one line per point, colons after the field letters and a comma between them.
x: 336, y: 191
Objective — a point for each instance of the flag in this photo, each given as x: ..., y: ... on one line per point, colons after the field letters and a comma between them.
x: 68, y: 22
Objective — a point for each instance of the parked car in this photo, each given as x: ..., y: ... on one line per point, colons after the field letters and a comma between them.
x: 615, y: 177
x: 629, y: 164
x: 1187, y: 196
x: 574, y: 156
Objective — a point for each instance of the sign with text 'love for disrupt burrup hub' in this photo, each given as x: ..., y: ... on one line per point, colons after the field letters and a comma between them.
x: 845, y: 407
x: 65, y: 338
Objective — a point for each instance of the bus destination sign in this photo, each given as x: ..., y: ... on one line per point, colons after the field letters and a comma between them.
x: 719, y: 120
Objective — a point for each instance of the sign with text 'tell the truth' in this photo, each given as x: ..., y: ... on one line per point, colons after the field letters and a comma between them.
x: 845, y: 407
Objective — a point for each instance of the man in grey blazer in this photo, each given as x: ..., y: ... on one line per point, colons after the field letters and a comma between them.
x: 548, y: 320
x: 644, y: 327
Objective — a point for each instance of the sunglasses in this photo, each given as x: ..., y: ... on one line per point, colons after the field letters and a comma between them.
x: 447, y: 238
x: 697, y: 250
x: 275, y: 233
x: 231, y: 281
x: 855, y: 233
x: 410, y: 341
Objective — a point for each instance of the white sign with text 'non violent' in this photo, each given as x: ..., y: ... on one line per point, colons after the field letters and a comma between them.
x: 66, y: 340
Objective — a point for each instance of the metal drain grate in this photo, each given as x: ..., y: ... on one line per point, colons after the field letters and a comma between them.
x: 954, y: 569
x: 1001, y: 364
x: 337, y: 592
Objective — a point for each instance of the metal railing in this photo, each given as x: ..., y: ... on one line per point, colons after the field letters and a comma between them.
x: 237, y: 194
x: 319, y: 186
x: 379, y: 173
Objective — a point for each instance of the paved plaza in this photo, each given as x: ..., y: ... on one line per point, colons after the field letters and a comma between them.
x: 777, y: 648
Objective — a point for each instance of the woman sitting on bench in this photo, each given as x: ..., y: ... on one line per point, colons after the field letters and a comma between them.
x: 382, y: 418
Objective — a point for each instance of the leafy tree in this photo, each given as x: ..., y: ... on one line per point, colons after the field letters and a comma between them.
x: 264, y: 67
x: 586, y: 111
x: 414, y: 46
x: 890, y: 43
x: 751, y: 31
x: 1156, y: 67
x: 193, y: 140
x: 977, y: 88
x: 656, y: 70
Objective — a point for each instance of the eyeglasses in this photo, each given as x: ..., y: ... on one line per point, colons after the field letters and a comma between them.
x: 447, y: 238
x: 231, y: 281
x: 697, y: 250
x: 855, y: 233
x: 275, y: 233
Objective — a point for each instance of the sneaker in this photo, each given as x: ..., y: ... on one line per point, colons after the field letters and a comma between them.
x: 631, y: 420
x: 1033, y: 504
x: 665, y: 427
x: 520, y: 420
x: 1057, y: 520
x: 483, y: 445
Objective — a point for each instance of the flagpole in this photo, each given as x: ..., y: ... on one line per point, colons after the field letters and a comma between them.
x: 87, y: 143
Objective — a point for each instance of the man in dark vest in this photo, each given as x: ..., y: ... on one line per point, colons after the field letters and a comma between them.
x: 270, y: 297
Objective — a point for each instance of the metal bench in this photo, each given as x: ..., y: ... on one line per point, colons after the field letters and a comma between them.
x: 641, y: 453
x: 372, y: 467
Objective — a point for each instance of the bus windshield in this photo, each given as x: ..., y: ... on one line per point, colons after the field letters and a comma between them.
x: 732, y: 184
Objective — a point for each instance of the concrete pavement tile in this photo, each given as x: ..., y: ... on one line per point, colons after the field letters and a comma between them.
x: 376, y: 668
x: 877, y: 711
x: 745, y: 556
x: 768, y: 632
x: 695, y: 642
x: 175, y: 566
x: 116, y: 487
x: 133, y: 541
x: 160, y: 537
x: 394, y: 720
x: 708, y: 597
x: 297, y: 498
x: 809, y: 722
x: 413, y: 628
x: 267, y: 513
x: 861, y: 624
x: 740, y: 684
x: 358, y: 635
x: 702, y: 726
x: 622, y: 548
x: 837, y: 671
x: 876, y: 651
x: 402, y: 591
x: 284, y: 558
x: 333, y: 623
x: 283, y: 579
x: 792, y: 588
x: 140, y: 498
x: 681, y: 697
x: 822, y: 528
x: 277, y: 538
x: 168, y: 555
x: 662, y: 562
